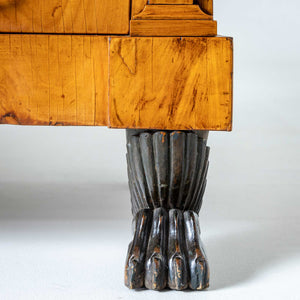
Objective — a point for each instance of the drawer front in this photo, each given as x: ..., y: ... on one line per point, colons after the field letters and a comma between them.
x: 53, y: 79
x: 65, y: 16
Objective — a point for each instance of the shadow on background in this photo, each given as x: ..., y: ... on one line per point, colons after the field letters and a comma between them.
x: 237, y: 258
x: 236, y: 254
x: 54, y: 201
x: 256, y: 230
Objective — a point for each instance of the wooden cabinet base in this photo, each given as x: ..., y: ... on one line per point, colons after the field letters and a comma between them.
x: 167, y: 178
x: 121, y: 82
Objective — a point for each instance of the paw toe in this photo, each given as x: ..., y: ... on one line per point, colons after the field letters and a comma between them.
x: 199, y: 275
x: 156, y: 273
x: 177, y: 273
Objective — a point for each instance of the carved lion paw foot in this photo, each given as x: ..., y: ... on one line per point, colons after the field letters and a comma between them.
x: 166, y: 251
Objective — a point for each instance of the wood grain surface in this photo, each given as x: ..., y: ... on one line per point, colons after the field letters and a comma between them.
x: 172, y: 12
x: 159, y: 83
x: 65, y: 16
x: 167, y: 83
x: 206, y: 6
x: 172, y: 18
x: 53, y: 79
x: 138, y: 5
x: 171, y: 1
x: 173, y: 28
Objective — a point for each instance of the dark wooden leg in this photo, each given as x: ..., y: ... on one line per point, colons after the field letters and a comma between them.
x: 167, y: 178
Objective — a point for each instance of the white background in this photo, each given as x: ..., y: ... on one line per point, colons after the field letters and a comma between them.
x: 65, y: 218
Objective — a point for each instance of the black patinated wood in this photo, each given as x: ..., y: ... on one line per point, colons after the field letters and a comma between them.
x: 135, y: 261
x: 177, y: 263
x: 156, y: 262
x: 167, y: 173
x: 161, y: 156
x: 198, y: 266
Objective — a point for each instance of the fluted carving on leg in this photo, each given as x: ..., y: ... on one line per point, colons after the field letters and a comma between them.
x: 167, y: 169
